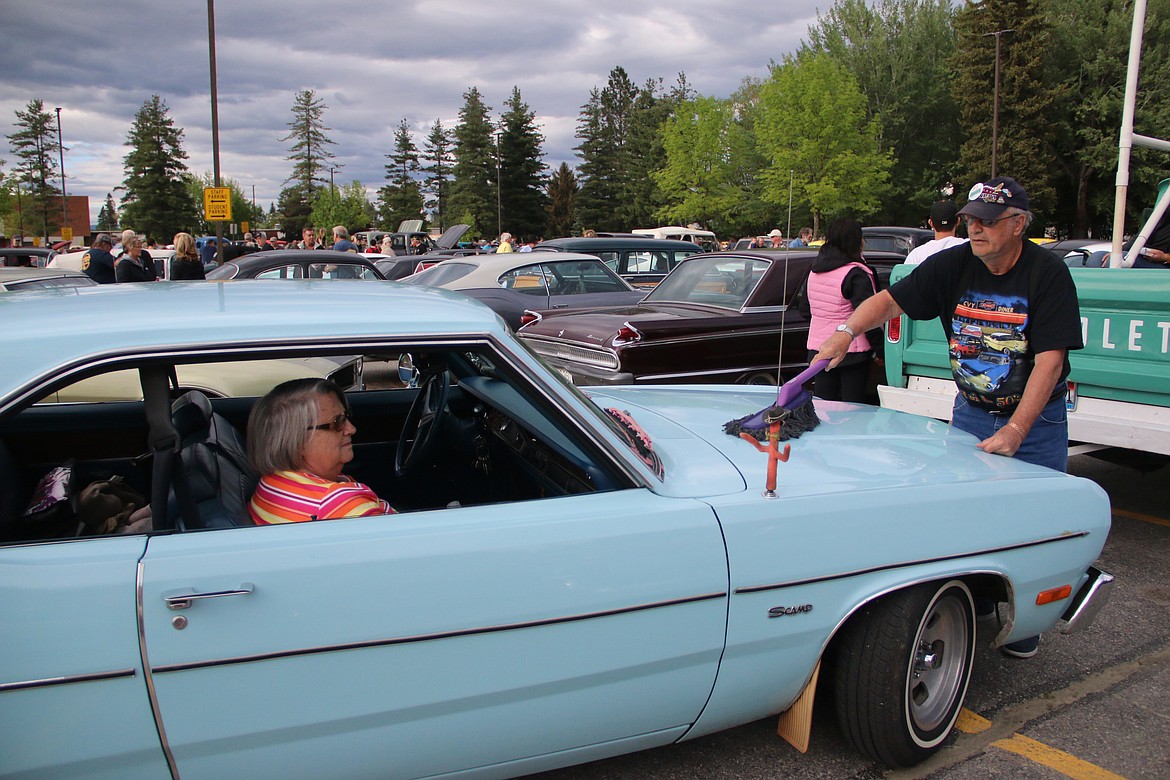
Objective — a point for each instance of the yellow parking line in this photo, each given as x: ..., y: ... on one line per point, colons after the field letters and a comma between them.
x: 1062, y: 762
x: 1140, y: 516
x: 970, y: 723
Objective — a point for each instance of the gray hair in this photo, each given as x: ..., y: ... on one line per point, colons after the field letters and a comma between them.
x: 280, y: 423
x: 1012, y: 211
x: 341, y: 232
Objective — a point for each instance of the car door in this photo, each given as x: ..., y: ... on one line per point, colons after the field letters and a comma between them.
x: 435, y: 641
x: 73, y: 700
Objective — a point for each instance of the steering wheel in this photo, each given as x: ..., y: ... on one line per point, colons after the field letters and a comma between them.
x: 420, y: 430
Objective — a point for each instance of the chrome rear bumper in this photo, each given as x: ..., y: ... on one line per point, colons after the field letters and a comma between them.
x: 1088, y: 601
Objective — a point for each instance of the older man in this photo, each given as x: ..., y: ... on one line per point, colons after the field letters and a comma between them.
x: 98, y: 263
x: 1009, y: 310
x: 341, y: 242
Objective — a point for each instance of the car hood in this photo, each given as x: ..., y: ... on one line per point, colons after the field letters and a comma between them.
x: 855, y: 447
x: 599, y: 326
x: 451, y: 236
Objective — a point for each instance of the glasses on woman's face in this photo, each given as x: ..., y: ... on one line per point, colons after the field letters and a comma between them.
x: 337, y: 424
x: 969, y: 220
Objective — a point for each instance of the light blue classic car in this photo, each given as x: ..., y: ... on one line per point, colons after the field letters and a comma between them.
x: 568, y: 576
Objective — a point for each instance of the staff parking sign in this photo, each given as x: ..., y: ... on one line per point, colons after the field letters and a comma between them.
x: 217, y: 204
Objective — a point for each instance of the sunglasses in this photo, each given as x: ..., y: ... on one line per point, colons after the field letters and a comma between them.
x: 969, y: 220
x: 337, y: 424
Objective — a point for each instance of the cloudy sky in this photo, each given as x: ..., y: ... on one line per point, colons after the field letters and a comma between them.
x: 373, y: 63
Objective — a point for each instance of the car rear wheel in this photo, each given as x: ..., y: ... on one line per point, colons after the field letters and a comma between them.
x: 757, y: 378
x: 903, y: 665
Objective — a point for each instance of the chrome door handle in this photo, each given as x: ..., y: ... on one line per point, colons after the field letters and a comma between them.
x: 181, y: 599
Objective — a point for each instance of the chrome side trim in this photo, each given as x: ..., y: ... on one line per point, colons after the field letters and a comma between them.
x: 435, y: 636
x: 24, y: 685
x: 150, y: 691
x: 907, y: 564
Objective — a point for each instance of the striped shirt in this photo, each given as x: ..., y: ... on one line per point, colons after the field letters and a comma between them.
x: 297, y: 496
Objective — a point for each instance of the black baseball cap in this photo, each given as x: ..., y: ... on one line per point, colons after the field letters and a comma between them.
x: 944, y: 214
x: 990, y: 199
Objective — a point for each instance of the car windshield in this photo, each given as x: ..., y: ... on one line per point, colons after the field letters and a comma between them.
x: 726, y: 282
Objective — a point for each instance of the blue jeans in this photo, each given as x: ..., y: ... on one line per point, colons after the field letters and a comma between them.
x: 1045, y: 445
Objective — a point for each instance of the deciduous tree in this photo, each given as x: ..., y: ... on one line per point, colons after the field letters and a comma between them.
x: 899, y: 53
x: 815, y: 133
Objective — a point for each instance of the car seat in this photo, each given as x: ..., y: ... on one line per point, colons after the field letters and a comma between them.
x: 214, y: 465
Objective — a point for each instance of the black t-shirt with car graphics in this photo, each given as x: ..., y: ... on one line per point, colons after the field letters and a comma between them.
x: 995, y: 325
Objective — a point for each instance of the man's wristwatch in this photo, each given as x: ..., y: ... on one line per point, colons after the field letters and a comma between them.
x: 843, y: 328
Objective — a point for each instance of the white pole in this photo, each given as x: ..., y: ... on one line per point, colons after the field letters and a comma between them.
x: 1125, y: 143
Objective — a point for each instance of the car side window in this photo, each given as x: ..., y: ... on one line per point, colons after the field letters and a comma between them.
x: 579, y: 278
x: 610, y: 259
x: 284, y: 272
x: 339, y: 271
x: 528, y: 279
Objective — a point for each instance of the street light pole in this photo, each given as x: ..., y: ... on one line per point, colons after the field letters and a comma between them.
x: 995, y: 105
x: 214, y: 122
x: 332, y: 192
x: 64, y: 202
x: 499, y: 211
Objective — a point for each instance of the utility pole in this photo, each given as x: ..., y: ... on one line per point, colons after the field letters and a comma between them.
x: 64, y: 202
x: 995, y: 106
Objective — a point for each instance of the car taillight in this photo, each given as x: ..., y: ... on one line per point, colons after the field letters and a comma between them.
x: 529, y: 317
x: 894, y: 330
x: 627, y: 334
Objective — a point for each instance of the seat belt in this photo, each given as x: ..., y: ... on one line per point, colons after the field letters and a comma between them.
x: 165, y: 444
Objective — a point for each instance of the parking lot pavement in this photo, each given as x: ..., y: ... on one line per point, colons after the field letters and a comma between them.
x: 1094, y: 705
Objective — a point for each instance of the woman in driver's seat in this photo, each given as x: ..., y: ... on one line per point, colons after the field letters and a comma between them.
x: 299, y: 438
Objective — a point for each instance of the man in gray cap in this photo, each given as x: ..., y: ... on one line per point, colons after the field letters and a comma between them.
x: 944, y: 221
x: 98, y: 263
x: 1010, y: 314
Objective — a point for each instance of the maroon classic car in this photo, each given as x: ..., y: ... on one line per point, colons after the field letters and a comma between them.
x: 716, y: 318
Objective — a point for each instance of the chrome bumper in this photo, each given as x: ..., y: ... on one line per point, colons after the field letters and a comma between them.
x: 1088, y: 601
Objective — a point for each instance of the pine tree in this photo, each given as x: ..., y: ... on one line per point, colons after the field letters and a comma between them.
x: 473, y: 186
x: 402, y: 197
x: 309, y: 152
x: 35, y: 145
x: 437, y: 154
x: 562, y: 196
x: 108, y: 216
x: 157, y: 200
x: 522, y: 197
x: 604, y: 133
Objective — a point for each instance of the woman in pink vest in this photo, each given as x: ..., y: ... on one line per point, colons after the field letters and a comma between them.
x: 838, y: 282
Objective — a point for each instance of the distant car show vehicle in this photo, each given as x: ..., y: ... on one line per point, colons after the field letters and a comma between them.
x: 550, y: 551
x: 705, y: 239
x: 515, y: 282
x: 641, y: 261
x: 26, y: 256
x: 23, y: 279
x: 297, y: 264
x: 715, y: 318
x: 894, y: 239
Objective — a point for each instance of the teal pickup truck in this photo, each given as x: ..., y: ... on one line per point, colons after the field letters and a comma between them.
x: 1119, y: 388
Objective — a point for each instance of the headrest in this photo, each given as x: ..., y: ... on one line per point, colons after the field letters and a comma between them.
x: 191, y: 413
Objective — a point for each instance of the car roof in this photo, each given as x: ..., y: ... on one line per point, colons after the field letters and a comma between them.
x: 584, y: 244
x: 21, y: 273
x: 489, y: 267
x: 198, y: 315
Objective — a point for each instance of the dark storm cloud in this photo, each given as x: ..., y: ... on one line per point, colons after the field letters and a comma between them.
x: 373, y: 64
